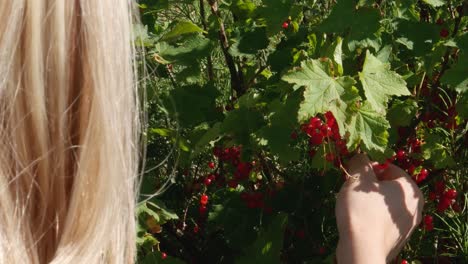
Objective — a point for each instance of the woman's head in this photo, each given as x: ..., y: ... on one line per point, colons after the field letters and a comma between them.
x: 68, y: 132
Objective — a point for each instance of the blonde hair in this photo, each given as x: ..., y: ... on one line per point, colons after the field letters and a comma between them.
x: 68, y: 132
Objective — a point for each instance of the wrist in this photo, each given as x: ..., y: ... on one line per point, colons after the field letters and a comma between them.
x: 362, y: 251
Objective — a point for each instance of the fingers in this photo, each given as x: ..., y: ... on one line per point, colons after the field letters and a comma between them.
x: 360, y: 167
x: 388, y: 171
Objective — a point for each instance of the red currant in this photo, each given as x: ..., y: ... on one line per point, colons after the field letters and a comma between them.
x: 404, y: 261
x: 401, y: 155
x: 428, y: 219
x: 202, y: 209
x: 207, y: 181
x: 211, y: 165
x: 450, y: 194
x: 316, y: 139
x: 444, y: 33
x: 204, y: 199
x: 163, y: 255
x: 285, y: 25
x: 196, y: 229
x: 330, y: 157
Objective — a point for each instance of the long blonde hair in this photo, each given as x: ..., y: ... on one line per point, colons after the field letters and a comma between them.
x: 68, y: 132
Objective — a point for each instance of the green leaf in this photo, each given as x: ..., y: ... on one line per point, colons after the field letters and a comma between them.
x: 322, y: 92
x: 457, y: 75
x: 210, y: 135
x: 241, y: 124
x: 434, y: 149
x: 250, y: 42
x: 192, y: 105
x: 402, y: 112
x: 267, y: 248
x: 192, y: 49
x: 181, y: 28
x: 462, y: 105
x: 278, y: 132
x: 380, y: 83
x: 335, y: 51
x: 434, y: 3
x: 368, y: 127
x: 361, y: 29
x: 275, y: 12
x: 319, y: 161
x: 418, y: 36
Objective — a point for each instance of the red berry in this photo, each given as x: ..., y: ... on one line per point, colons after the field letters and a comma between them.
x: 211, y: 165
x: 322, y: 250
x: 450, y: 194
x: 439, y: 21
x: 411, y: 169
x: 401, y: 155
x: 326, y: 130
x: 312, y: 153
x: 294, y: 135
x: 202, y: 209
x: 432, y: 196
x: 232, y: 183
x: 428, y: 219
x: 163, y: 255
x: 285, y: 25
x: 444, y: 204
x: 196, y: 229
x: 429, y: 227
x: 300, y: 234
x: 207, y: 181
x: 204, y: 199
x: 316, y: 139
x: 440, y: 187
x: 404, y: 261
x: 315, y: 122
x: 422, y: 175
x: 444, y: 33
x: 330, y: 157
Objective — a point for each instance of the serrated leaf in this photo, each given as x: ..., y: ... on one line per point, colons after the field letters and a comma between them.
x: 267, y: 248
x: 402, y: 112
x: 368, y: 128
x: 380, y: 83
x: 335, y: 51
x: 250, y: 42
x: 278, y: 132
x: 434, y: 3
x: 361, y: 29
x: 417, y: 36
x: 434, y: 149
x: 322, y: 92
x: 181, y: 28
x: 275, y: 12
x: 457, y: 75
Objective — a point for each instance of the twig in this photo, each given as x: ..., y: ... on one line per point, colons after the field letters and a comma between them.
x: 205, y: 27
x: 236, y: 83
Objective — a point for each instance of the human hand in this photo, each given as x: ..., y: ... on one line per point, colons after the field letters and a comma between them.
x: 376, y: 212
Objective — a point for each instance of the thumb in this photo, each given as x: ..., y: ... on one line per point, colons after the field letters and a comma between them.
x: 360, y: 167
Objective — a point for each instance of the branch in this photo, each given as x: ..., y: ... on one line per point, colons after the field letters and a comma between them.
x: 445, y: 65
x: 205, y: 27
x: 236, y: 83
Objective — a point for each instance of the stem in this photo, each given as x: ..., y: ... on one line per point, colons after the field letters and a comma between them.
x: 236, y: 83
x: 205, y: 27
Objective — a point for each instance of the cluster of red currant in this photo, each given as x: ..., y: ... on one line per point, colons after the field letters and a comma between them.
x: 320, y: 132
x: 409, y: 159
x: 444, y: 197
